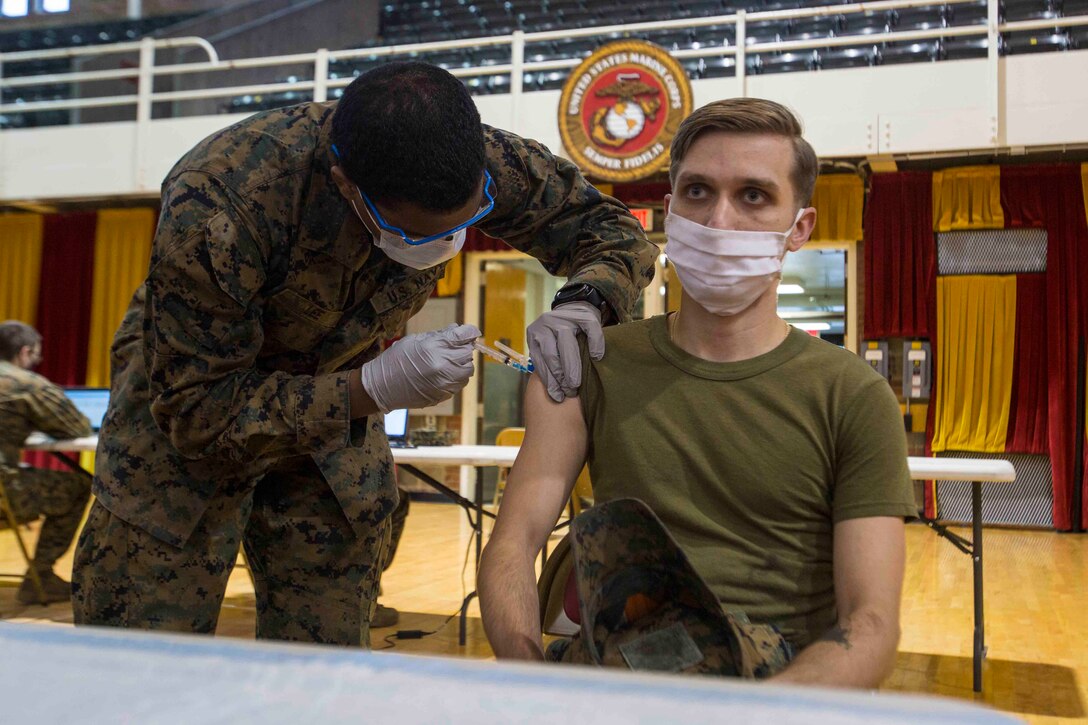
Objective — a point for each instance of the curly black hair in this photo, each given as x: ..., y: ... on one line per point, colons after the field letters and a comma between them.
x: 409, y: 131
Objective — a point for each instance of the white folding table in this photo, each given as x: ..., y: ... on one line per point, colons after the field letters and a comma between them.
x: 52, y: 674
x: 977, y: 471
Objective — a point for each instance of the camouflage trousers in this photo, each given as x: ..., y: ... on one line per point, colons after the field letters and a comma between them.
x: 397, y: 520
x: 315, y: 580
x: 61, y: 496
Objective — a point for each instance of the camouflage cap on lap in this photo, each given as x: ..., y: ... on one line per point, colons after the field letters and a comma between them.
x: 643, y: 605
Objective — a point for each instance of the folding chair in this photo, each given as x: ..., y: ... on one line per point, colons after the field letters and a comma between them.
x: 583, y: 487
x: 506, y: 437
x: 582, y: 496
x: 6, y: 474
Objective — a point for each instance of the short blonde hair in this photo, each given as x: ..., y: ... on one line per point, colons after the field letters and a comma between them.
x: 750, y: 115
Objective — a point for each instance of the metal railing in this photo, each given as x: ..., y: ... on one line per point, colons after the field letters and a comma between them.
x: 146, y: 71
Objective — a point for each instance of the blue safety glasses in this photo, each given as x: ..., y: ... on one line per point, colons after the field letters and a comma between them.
x: 375, y: 215
x: 386, y: 226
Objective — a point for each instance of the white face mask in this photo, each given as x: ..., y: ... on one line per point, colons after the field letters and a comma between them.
x: 725, y: 270
x: 418, y: 256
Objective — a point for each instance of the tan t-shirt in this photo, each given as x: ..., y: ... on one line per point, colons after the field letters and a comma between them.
x: 749, y: 464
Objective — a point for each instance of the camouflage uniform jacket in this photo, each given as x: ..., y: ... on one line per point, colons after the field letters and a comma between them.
x: 29, y: 402
x: 265, y: 294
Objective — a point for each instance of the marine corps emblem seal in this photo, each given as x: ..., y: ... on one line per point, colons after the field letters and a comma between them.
x: 620, y: 109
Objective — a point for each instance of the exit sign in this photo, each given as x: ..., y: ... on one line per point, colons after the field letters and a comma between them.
x: 645, y: 218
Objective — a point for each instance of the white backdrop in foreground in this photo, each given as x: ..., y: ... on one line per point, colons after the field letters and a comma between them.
x: 62, y: 674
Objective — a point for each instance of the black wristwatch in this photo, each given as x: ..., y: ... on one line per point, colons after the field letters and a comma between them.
x: 585, y: 293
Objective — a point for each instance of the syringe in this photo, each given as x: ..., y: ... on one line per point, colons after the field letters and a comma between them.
x: 519, y: 363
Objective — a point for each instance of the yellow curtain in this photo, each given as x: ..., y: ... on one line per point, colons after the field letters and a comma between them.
x: 20, y: 266
x: 967, y: 198
x: 504, y: 313
x: 450, y: 284
x: 976, y: 334
x: 122, y: 251
x: 1084, y: 186
x: 838, y: 200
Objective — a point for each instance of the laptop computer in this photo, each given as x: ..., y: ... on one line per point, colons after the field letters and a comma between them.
x: 92, y: 402
x: 396, y: 428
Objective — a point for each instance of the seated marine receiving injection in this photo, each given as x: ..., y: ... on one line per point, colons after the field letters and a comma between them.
x: 775, y: 460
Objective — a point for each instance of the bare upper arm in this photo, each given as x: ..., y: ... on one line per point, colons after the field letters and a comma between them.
x: 869, y: 556
x: 546, y: 468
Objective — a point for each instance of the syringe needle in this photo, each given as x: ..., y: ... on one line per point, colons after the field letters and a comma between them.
x: 523, y: 359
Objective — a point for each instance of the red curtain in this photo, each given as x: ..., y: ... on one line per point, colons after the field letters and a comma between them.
x: 64, y: 297
x: 64, y: 304
x: 648, y: 193
x: 1051, y: 196
x: 900, y: 257
x: 1028, y: 428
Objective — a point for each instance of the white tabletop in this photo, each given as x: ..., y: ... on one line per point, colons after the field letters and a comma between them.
x: 62, y: 674
x: 435, y: 455
x: 961, y: 469
x: 943, y: 469
x: 457, y: 455
x: 42, y: 442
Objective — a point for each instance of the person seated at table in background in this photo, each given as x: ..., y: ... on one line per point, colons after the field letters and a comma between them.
x: 776, y: 460
x: 28, y: 403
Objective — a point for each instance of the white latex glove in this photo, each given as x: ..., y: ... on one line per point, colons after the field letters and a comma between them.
x: 421, y: 370
x: 553, y: 346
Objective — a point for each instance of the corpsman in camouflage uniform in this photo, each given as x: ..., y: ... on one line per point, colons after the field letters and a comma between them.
x: 28, y: 403
x: 248, y: 375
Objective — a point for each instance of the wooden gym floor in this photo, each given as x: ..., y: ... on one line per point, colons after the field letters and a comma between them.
x: 1036, y: 611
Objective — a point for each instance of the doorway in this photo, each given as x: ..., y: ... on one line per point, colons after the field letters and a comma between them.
x: 818, y: 292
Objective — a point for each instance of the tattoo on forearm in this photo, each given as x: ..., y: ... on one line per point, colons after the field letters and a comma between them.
x: 839, y: 636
